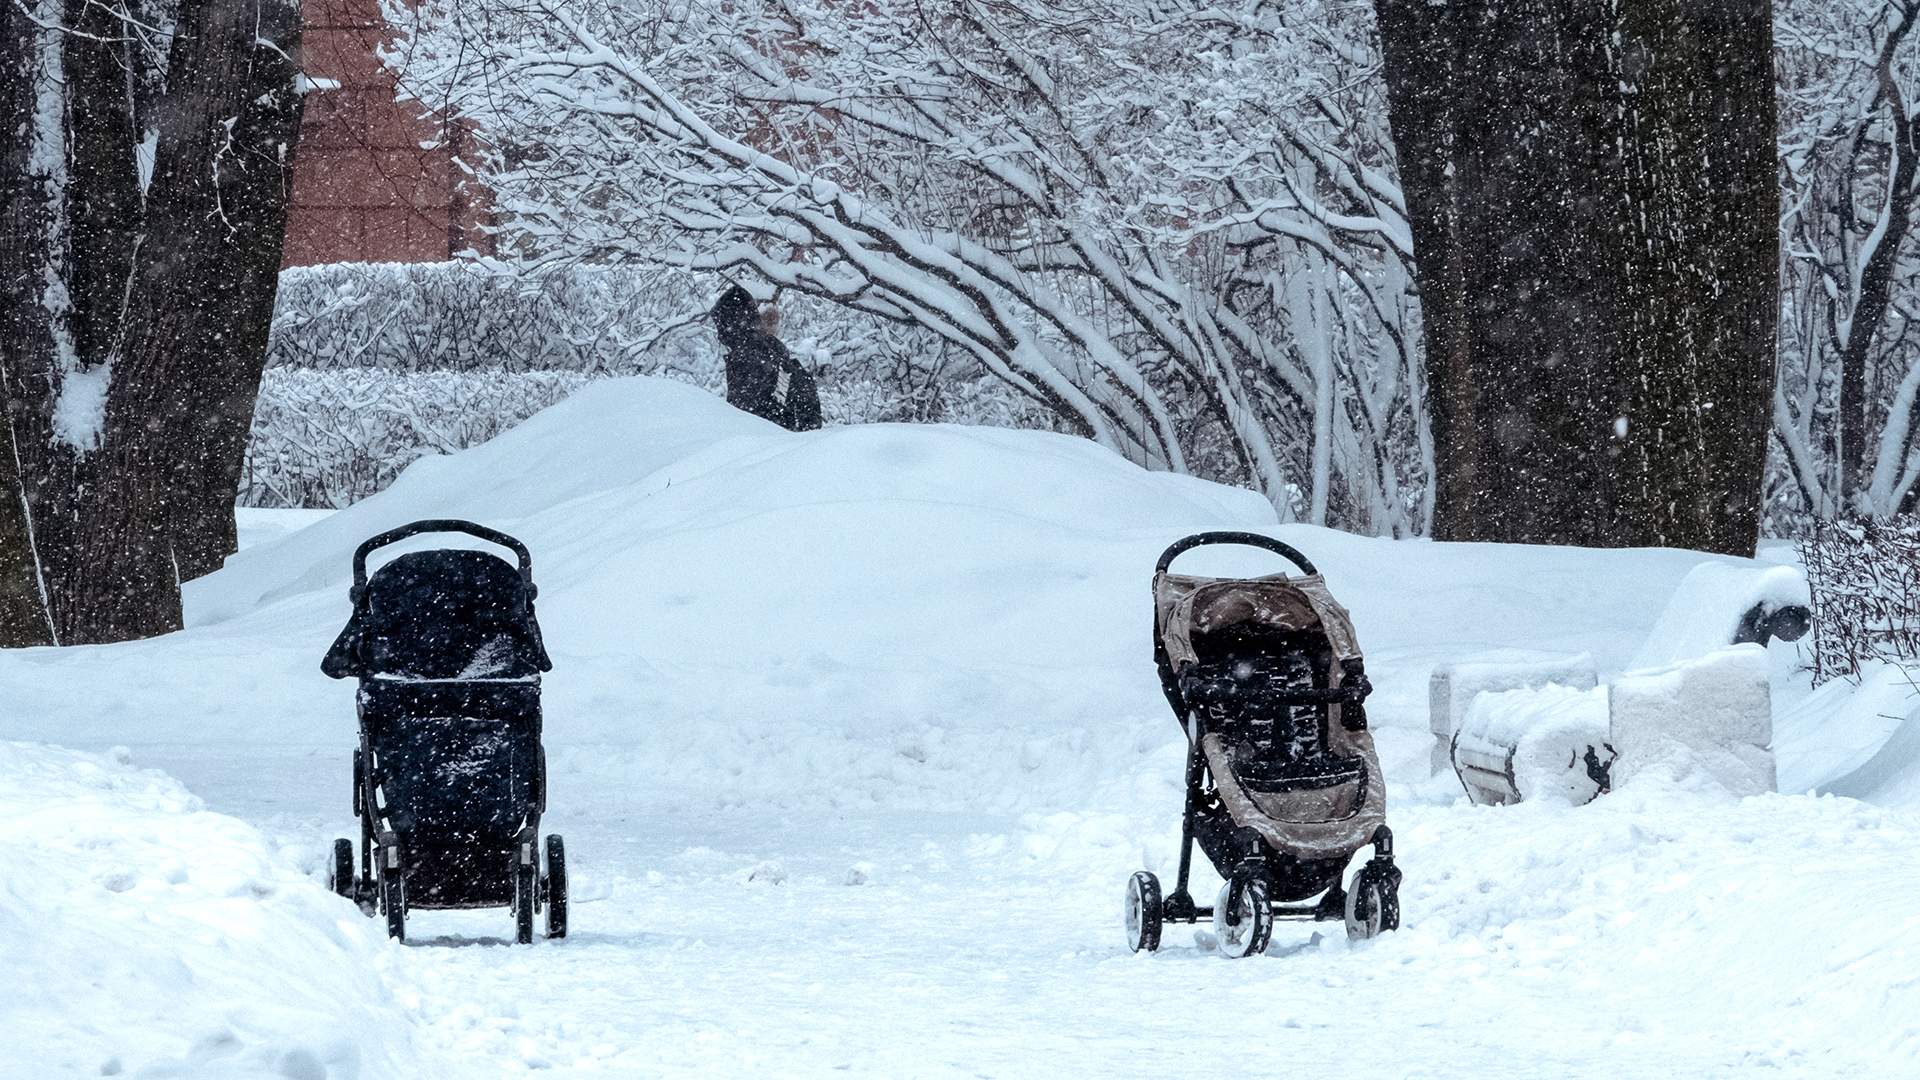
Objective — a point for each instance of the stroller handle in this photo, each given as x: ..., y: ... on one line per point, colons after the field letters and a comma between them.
x: 433, y: 525
x: 1248, y: 539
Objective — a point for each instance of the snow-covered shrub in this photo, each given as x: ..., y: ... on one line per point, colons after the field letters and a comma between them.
x: 372, y: 366
x: 479, y: 316
x: 331, y: 437
x: 1865, y: 581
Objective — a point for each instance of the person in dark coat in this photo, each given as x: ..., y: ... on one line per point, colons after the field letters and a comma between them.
x: 762, y: 377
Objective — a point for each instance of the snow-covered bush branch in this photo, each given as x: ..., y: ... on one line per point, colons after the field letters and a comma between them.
x: 1865, y: 580
x: 1172, y: 225
x: 1844, y: 407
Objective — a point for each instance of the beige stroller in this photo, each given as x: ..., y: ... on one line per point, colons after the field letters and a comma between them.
x: 1283, y: 784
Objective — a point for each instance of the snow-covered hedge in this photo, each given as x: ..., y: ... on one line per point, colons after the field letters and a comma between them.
x: 331, y: 437
x: 472, y: 316
x: 372, y: 366
x: 1865, y: 581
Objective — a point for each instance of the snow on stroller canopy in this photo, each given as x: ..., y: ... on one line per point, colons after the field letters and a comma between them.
x: 446, y: 614
x: 1185, y: 605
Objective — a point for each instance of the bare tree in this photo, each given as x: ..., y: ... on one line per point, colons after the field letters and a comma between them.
x: 1850, y: 365
x: 144, y: 211
x: 1116, y: 208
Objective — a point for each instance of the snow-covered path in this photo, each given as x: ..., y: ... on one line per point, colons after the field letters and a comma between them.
x: 854, y: 740
x: 738, y: 943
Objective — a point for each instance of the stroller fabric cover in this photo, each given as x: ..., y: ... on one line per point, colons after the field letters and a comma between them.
x: 1323, y: 803
x: 449, y: 778
x: 447, y: 614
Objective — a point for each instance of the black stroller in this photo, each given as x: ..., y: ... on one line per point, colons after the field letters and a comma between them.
x: 450, y: 778
x: 1283, y: 784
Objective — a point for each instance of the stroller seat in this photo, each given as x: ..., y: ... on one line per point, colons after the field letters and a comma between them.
x: 447, y: 615
x: 1263, y: 777
x: 463, y: 759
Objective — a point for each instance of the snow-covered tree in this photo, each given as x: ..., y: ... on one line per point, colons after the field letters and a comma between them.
x: 1844, y: 407
x: 1172, y: 223
x: 142, y: 204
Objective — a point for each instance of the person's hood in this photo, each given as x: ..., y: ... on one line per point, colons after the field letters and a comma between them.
x: 735, y: 315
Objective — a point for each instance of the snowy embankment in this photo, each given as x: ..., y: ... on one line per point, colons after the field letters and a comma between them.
x: 140, y: 932
x: 928, y: 617
x: 855, y: 736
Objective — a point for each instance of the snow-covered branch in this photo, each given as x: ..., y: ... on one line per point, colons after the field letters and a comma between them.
x: 1155, y: 220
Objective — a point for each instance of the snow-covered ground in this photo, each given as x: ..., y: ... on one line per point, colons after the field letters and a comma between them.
x: 855, y: 737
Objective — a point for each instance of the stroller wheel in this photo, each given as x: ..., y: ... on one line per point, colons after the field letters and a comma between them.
x: 1144, y: 912
x: 393, y: 897
x: 526, y: 874
x: 556, y: 887
x: 1373, y: 904
x: 340, y: 874
x: 1243, y: 927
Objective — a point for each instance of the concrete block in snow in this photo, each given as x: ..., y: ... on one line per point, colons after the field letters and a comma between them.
x: 1705, y: 723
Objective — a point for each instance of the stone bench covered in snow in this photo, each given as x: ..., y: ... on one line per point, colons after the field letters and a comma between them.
x: 1452, y: 688
x: 1695, y: 704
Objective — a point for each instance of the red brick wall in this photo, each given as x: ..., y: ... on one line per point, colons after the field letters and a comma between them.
x: 363, y: 188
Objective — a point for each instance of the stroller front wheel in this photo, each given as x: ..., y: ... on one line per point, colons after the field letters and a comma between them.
x: 526, y: 875
x: 393, y: 896
x: 1373, y: 904
x: 1242, y: 917
x: 1144, y: 912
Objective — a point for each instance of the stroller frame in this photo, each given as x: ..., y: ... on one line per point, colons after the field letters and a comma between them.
x: 380, y: 886
x: 1246, y: 888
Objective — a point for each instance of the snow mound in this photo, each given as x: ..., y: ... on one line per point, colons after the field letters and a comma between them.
x: 631, y: 479
x: 1705, y: 611
x: 921, y: 616
x: 162, y: 940
x: 1860, y: 739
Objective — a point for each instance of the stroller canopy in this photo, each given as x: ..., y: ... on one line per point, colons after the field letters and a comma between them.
x: 441, y: 615
x: 1187, y: 606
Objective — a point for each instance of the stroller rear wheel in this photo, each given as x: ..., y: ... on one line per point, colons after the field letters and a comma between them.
x: 556, y: 887
x: 393, y: 897
x: 340, y: 874
x: 1242, y: 916
x: 1144, y: 912
x: 526, y: 874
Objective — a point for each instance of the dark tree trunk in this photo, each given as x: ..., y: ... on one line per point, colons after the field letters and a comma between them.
x: 1592, y: 195
x: 27, y: 213
x: 216, y: 217
x: 129, y: 491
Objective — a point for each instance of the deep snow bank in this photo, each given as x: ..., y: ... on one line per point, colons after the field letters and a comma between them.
x: 926, y: 616
x: 157, y: 939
